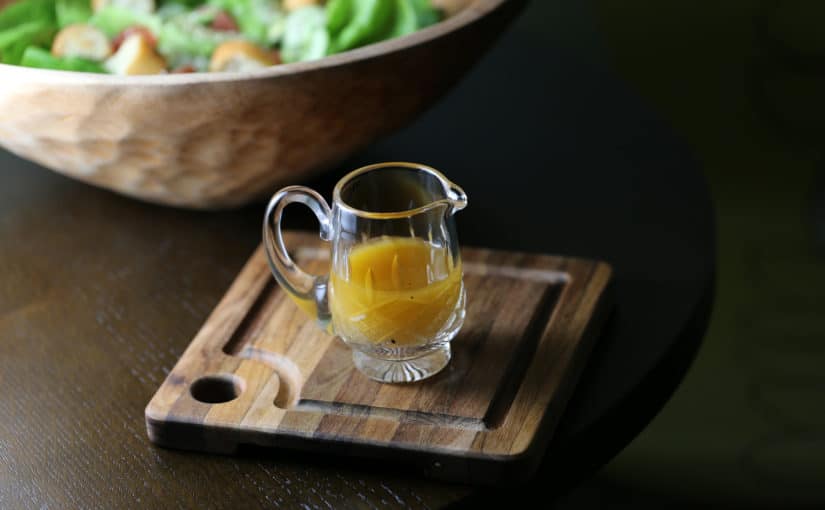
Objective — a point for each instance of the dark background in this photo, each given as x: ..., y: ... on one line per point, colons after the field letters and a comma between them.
x: 742, y: 83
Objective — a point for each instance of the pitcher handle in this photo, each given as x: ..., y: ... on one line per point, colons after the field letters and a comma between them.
x: 307, y: 291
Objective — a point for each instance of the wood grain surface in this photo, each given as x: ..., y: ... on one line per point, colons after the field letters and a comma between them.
x: 261, y: 373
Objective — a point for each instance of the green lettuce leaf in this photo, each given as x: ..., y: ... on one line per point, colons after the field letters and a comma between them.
x: 339, y: 13
x: 113, y: 20
x: 184, y: 3
x: 305, y: 35
x: 70, y: 12
x: 371, y: 22
x: 188, y: 35
x: 406, y: 19
x: 21, y: 32
x: 260, y: 21
x: 27, y: 11
x: 425, y: 12
x: 40, y: 58
x: 15, y: 41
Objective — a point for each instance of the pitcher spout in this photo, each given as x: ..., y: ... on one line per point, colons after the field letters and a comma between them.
x: 456, y: 196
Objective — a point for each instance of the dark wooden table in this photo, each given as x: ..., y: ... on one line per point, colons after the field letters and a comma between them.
x: 99, y: 294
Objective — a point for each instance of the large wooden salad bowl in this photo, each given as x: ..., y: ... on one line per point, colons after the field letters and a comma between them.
x: 212, y: 140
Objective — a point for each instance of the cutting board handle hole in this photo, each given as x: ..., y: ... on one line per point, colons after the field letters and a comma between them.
x: 217, y: 389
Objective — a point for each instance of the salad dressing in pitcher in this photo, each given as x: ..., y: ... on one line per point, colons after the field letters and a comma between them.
x: 399, y: 291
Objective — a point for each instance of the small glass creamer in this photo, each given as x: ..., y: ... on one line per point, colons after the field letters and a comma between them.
x: 395, y: 292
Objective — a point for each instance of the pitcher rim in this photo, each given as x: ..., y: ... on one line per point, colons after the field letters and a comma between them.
x: 450, y: 188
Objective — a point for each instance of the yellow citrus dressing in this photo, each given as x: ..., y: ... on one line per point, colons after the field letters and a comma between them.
x: 398, y: 290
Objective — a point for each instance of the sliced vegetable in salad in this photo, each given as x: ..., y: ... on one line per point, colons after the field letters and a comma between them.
x: 129, y: 37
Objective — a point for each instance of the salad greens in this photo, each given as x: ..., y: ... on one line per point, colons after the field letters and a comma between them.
x: 197, y: 35
x: 69, y: 12
x: 112, y: 20
x: 186, y: 35
x: 38, y: 57
x: 25, y: 24
x: 256, y: 18
x: 305, y: 36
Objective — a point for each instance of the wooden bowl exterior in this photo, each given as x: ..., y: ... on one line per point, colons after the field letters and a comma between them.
x: 222, y: 140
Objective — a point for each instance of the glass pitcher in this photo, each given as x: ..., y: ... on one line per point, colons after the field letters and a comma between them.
x: 395, y: 292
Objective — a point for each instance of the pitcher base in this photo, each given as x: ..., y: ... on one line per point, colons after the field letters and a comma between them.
x: 410, y: 370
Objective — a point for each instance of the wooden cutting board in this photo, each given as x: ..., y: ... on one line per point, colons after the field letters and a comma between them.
x: 260, y: 372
